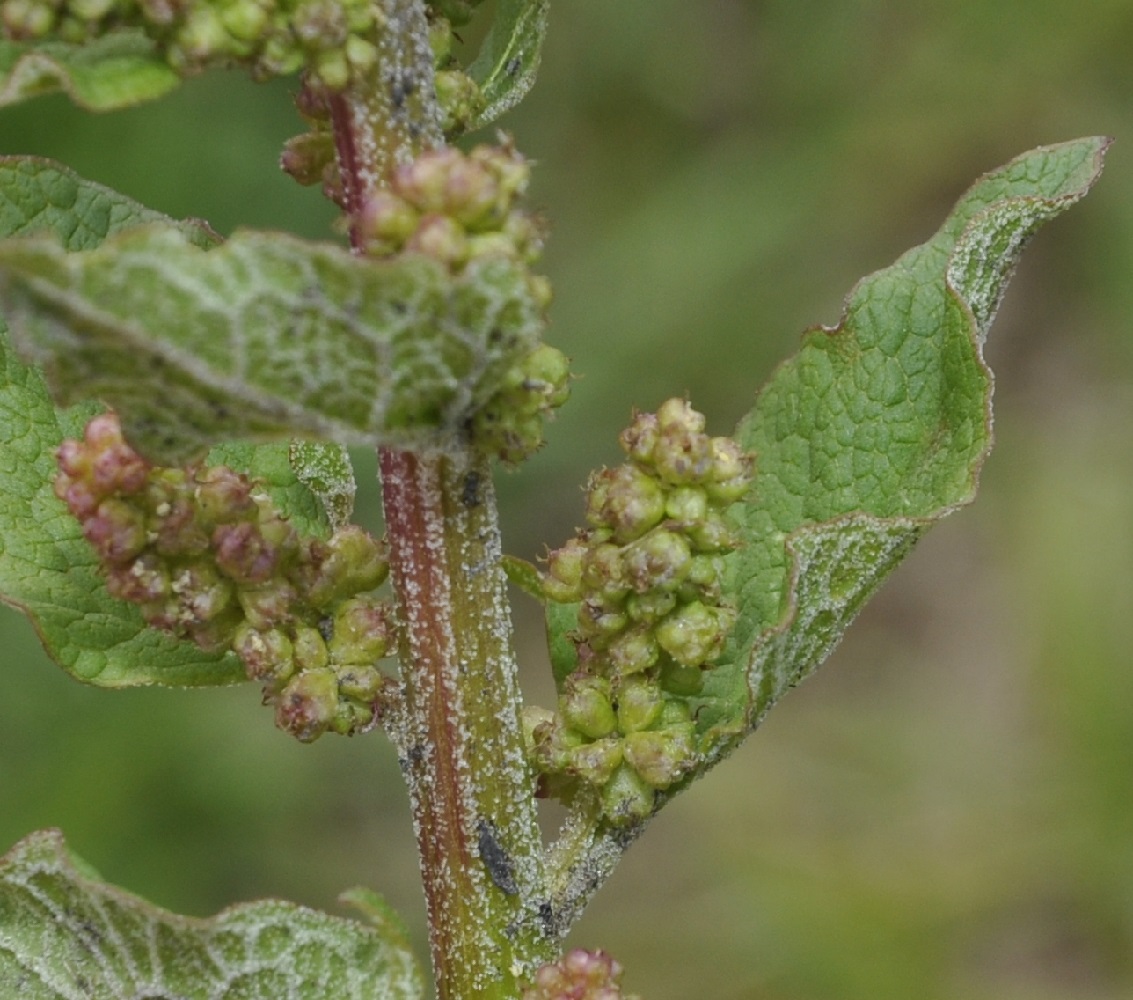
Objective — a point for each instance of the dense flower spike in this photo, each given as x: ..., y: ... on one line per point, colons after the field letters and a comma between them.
x: 579, y: 975
x: 332, y: 40
x: 205, y: 555
x: 646, y: 576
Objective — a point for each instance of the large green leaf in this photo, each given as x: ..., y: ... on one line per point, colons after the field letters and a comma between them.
x: 266, y: 337
x: 65, y: 935
x: 875, y: 430
x: 113, y: 71
x: 46, y: 568
x: 508, y: 60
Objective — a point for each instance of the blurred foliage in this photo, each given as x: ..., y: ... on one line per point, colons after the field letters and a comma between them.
x: 945, y: 811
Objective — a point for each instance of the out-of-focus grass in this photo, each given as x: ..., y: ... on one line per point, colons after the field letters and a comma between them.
x: 945, y: 810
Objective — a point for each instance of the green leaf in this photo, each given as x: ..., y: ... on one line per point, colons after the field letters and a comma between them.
x: 115, y: 70
x: 266, y: 337
x: 324, y: 469
x: 47, y: 569
x: 874, y: 431
x: 508, y: 59
x: 64, y: 935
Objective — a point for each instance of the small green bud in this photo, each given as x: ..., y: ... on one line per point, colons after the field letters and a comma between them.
x: 604, y: 572
x: 459, y: 99
x: 245, y: 20
x: 310, y: 649
x: 651, y: 606
x: 626, y: 798
x: 694, y: 634
x: 625, y: 500
x: 713, y: 534
x: 632, y: 651
x: 585, y: 706
x: 639, y: 704
x: 440, y: 40
x: 658, y: 561
x: 599, y: 620
x: 360, y: 683
x: 562, y: 581
x: 597, y: 762
x: 223, y: 496
x: 306, y: 157
x: 362, y: 632
x: 661, y: 757
x: 687, y: 504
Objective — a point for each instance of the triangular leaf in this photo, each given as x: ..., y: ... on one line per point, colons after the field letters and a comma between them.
x: 64, y: 934
x: 267, y: 337
x: 872, y: 432
x: 46, y: 568
x: 114, y: 70
x: 508, y: 60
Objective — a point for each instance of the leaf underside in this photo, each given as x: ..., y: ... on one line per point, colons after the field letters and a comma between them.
x: 47, y: 569
x: 64, y: 935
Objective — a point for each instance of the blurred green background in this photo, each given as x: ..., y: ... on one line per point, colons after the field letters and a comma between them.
x: 945, y: 812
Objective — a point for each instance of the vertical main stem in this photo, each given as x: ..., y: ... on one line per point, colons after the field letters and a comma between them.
x: 459, y: 734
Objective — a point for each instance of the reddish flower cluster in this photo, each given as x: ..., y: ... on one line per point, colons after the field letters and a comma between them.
x: 579, y: 975
x: 206, y: 556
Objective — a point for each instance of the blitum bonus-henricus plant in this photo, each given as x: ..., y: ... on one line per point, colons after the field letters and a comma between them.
x: 175, y: 493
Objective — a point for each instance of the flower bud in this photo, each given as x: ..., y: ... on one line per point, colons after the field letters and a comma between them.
x: 661, y: 757
x: 310, y: 649
x: 694, y: 634
x: 626, y: 797
x: 308, y: 704
x: 362, y: 632
x: 659, y: 561
x: 585, y: 706
x: 625, y: 500
x: 266, y: 654
x: 562, y: 581
x: 639, y: 704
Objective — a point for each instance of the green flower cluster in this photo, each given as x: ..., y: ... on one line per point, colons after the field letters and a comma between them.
x: 459, y: 98
x: 647, y: 577
x: 579, y: 975
x: 206, y: 556
x: 457, y: 207
x: 331, y: 39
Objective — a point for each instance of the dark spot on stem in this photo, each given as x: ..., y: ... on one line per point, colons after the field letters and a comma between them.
x: 496, y: 860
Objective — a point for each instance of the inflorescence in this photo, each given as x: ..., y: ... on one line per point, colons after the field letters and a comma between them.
x: 647, y: 577
x: 332, y: 40
x: 205, y: 555
x: 579, y: 975
x: 458, y: 208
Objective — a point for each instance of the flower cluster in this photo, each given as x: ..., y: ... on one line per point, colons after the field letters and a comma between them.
x: 331, y: 39
x: 459, y: 98
x: 647, y: 577
x: 206, y: 556
x: 579, y: 975
x: 457, y: 207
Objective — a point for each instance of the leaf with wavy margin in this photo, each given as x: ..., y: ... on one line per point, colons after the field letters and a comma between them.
x: 874, y: 431
x: 64, y: 934
x: 266, y: 337
x: 116, y: 70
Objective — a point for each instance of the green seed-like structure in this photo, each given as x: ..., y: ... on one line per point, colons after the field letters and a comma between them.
x: 646, y: 576
x: 205, y: 555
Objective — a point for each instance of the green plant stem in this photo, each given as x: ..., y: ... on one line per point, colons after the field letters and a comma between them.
x: 458, y: 731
